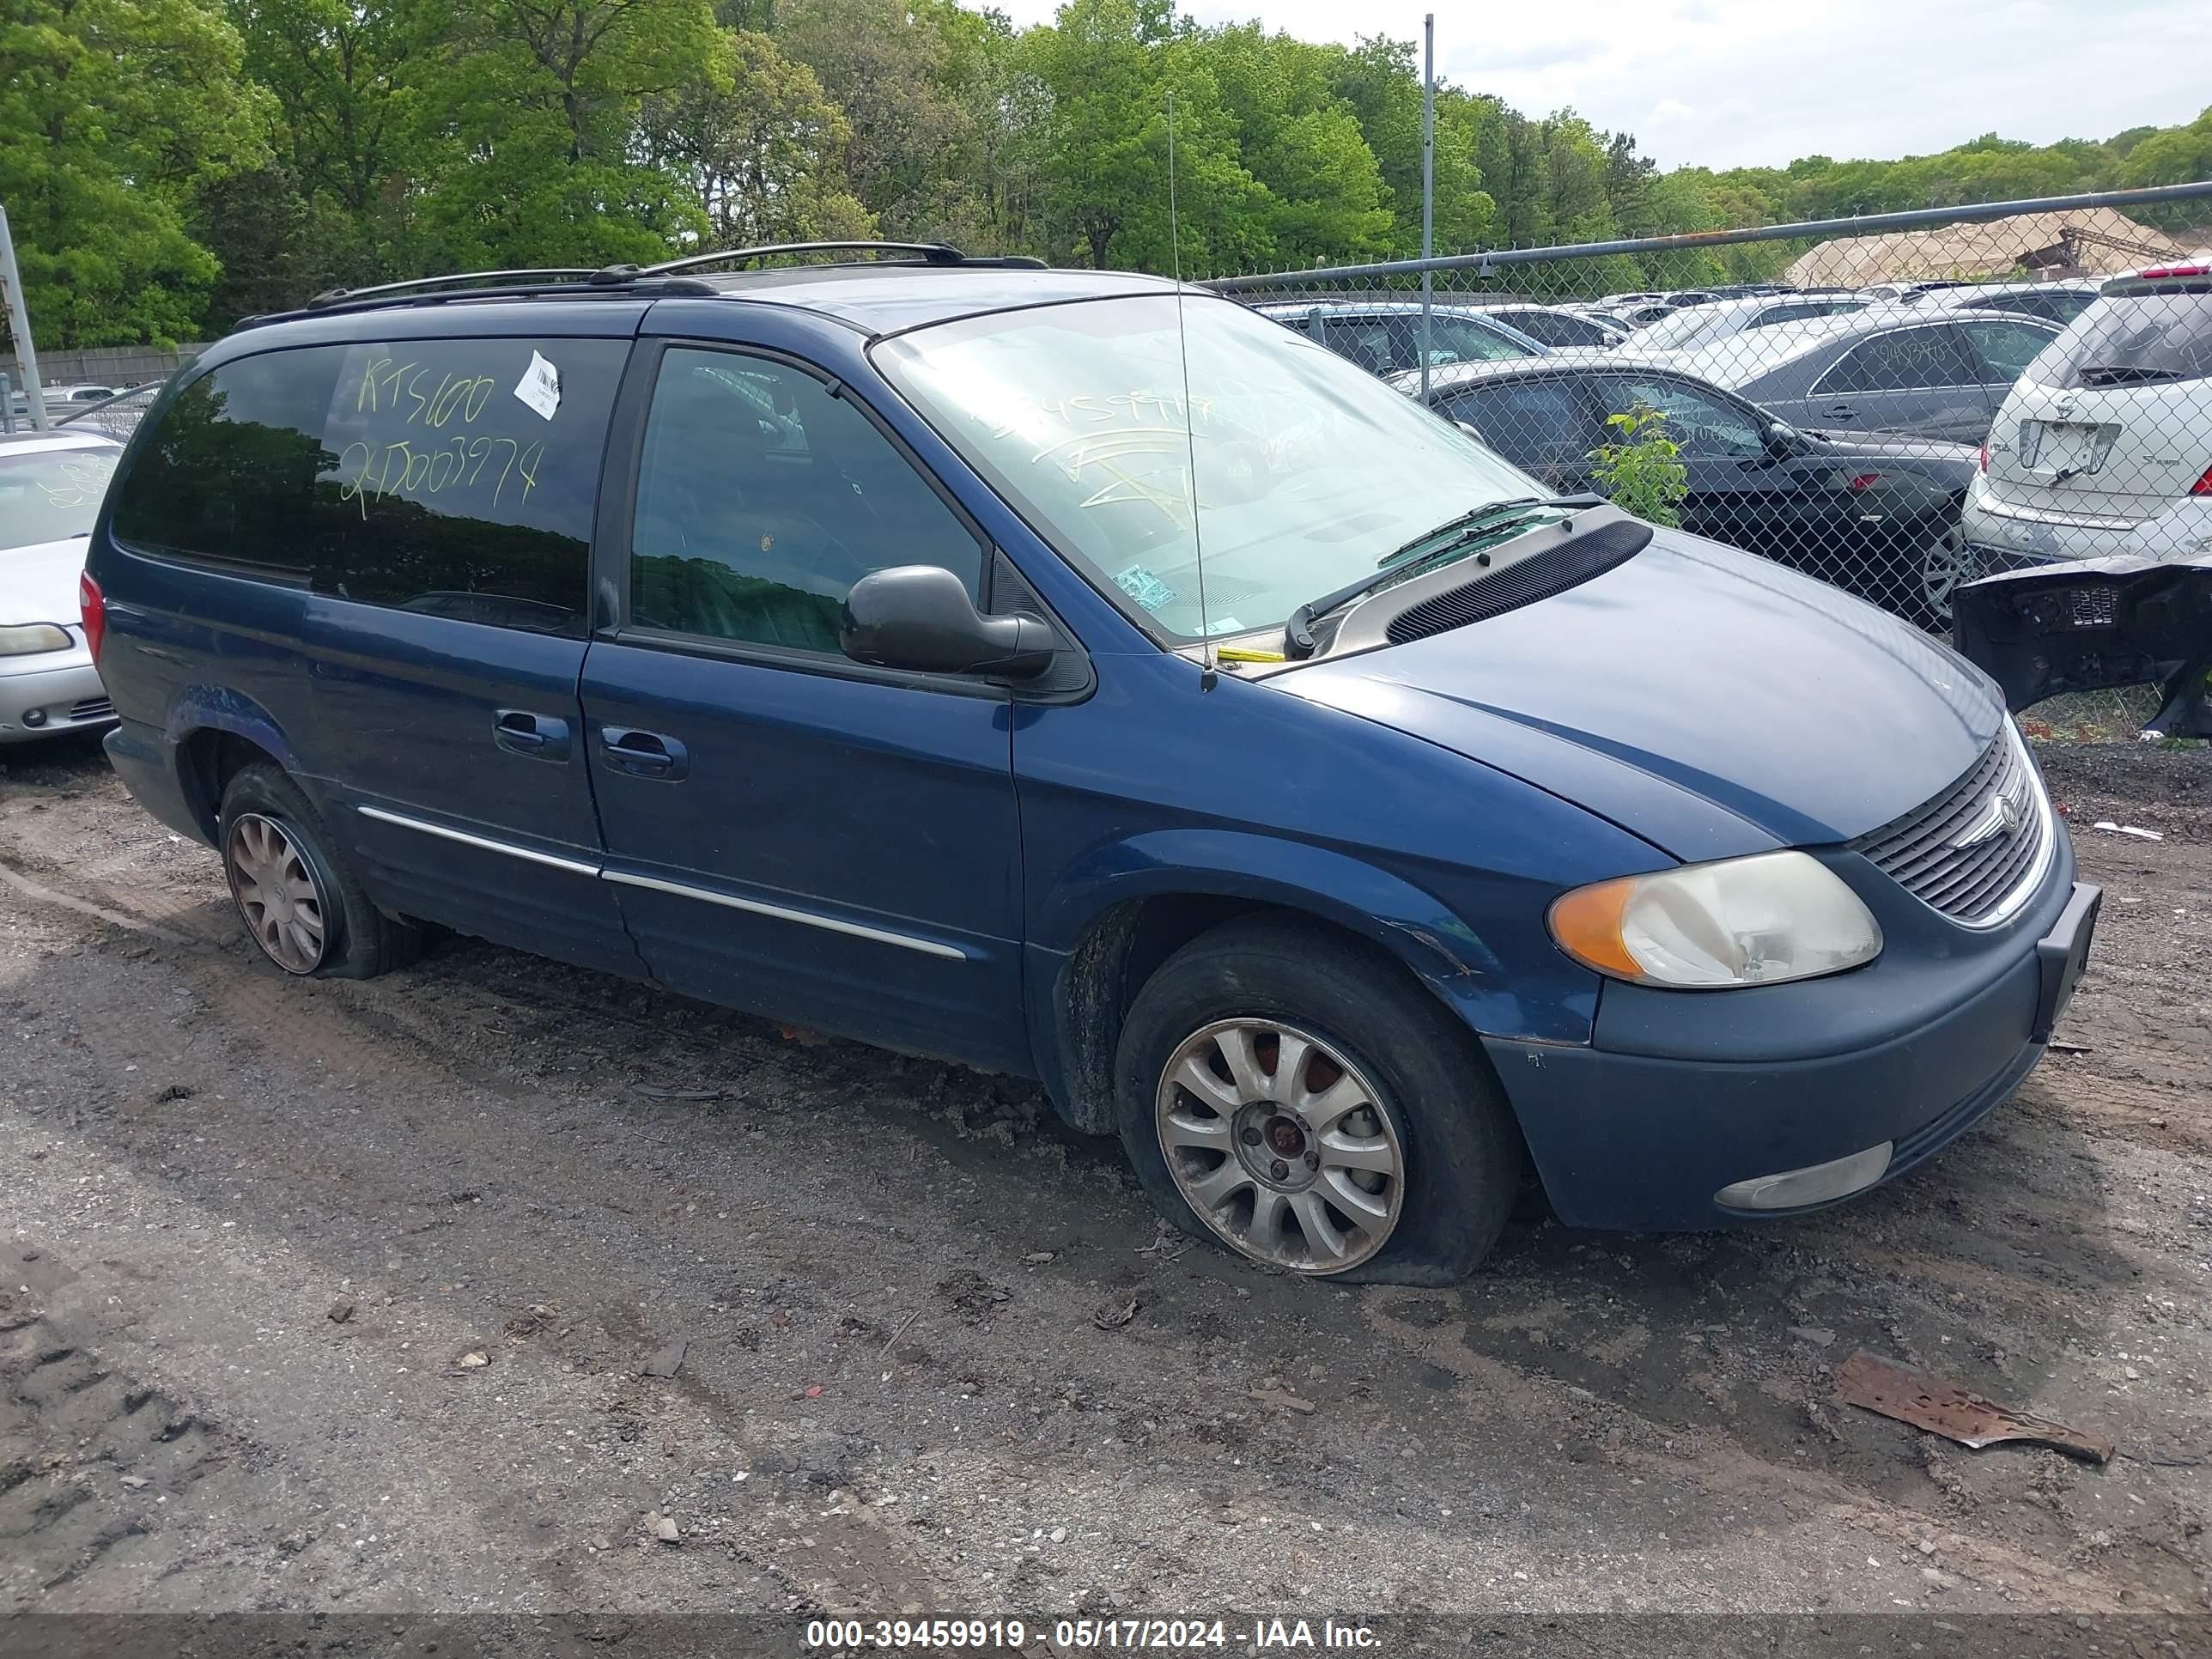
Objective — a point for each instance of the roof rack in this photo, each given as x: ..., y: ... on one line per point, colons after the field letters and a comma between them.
x: 419, y: 284
x: 578, y: 282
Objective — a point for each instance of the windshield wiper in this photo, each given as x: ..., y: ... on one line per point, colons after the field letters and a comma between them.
x: 2126, y: 374
x: 1450, y: 537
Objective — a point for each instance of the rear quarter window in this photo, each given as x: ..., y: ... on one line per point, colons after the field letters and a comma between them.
x: 453, y: 478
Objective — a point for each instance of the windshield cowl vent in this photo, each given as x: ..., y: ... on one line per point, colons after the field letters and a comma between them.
x: 1598, y: 539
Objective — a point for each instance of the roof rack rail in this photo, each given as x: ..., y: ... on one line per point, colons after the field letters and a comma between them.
x: 934, y: 253
x: 453, y: 279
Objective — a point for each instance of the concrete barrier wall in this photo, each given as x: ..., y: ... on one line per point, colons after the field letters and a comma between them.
x: 116, y: 366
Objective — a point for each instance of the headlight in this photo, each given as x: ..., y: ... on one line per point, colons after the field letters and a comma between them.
x: 1743, y: 922
x: 31, y: 638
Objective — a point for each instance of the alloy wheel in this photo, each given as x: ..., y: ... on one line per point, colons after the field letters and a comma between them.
x: 1942, y: 568
x: 278, y: 893
x: 1284, y: 1150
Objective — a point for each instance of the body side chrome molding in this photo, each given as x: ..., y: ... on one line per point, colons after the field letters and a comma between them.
x: 575, y: 866
x: 681, y: 890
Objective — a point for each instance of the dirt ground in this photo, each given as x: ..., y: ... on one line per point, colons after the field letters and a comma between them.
x: 352, y: 1296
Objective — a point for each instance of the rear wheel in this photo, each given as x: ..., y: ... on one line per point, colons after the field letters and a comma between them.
x: 1254, y: 1120
x: 301, y: 904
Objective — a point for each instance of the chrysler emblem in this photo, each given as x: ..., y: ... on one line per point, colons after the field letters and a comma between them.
x: 2000, y: 815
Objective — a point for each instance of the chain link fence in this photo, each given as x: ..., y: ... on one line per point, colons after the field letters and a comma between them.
x: 1894, y: 405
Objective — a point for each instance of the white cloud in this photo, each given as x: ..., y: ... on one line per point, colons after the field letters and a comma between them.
x: 1757, y: 82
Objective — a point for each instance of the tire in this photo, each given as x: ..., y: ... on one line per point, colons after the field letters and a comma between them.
x: 292, y: 887
x: 1427, y: 1097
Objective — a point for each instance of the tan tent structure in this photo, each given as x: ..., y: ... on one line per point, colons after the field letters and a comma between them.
x: 2075, y: 242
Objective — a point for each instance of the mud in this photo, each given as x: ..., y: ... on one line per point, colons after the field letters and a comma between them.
x: 902, y: 1385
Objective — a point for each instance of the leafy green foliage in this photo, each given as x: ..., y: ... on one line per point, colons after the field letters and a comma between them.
x: 172, y: 165
x: 1642, y: 473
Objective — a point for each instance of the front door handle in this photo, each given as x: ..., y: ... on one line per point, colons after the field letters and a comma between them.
x: 643, y: 754
x: 536, y: 737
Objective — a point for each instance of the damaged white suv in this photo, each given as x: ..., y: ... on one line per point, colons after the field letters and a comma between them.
x: 2104, y: 446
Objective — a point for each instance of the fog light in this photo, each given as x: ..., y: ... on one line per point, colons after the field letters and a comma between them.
x: 34, y: 718
x: 1815, y: 1184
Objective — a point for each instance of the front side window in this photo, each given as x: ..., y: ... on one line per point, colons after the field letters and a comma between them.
x: 52, y: 495
x: 1306, y: 471
x: 1704, y: 425
x: 455, y: 478
x: 761, y: 498
x: 1908, y: 360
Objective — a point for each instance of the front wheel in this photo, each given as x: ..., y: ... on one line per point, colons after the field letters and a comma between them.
x: 1253, y: 1119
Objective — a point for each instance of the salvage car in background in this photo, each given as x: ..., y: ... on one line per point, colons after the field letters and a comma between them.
x: 50, y: 488
x: 1708, y: 325
x: 2101, y: 447
x: 1878, y: 518
x: 1883, y: 369
x: 1554, y: 325
x: 1383, y: 336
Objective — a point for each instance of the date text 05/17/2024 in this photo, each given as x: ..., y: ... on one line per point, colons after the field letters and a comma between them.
x: 1069, y: 1635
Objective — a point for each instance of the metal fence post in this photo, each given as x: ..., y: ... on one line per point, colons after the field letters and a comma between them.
x: 19, y: 327
x: 1428, y: 180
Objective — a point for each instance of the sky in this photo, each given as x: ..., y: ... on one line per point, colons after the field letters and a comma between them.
x: 1724, y: 83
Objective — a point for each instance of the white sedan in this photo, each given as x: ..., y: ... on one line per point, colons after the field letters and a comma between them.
x: 51, y: 486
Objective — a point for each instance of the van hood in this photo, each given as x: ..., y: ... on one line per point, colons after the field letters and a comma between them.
x: 1708, y: 701
x: 38, y: 583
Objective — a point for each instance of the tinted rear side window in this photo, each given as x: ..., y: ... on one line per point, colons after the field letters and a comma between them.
x: 1908, y: 360
x: 2135, y: 339
x: 454, y: 477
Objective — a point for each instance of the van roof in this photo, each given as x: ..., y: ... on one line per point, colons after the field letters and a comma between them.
x: 903, y: 286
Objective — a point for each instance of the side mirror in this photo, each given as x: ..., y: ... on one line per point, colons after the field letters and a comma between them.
x: 918, y: 616
x: 1782, y: 440
x: 1471, y: 431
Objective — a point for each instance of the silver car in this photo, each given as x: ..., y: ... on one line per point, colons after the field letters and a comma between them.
x: 1888, y: 368
x: 1383, y: 336
x: 1708, y: 325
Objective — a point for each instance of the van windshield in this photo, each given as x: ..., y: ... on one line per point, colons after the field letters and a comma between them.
x: 2134, y: 339
x: 1308, y: 471
x: 52, y: 495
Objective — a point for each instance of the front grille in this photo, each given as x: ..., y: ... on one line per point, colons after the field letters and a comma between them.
x: 92, y: 708
x: 1975, y: 883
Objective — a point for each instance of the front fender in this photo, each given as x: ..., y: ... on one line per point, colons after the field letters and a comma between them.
x: 1415, y: 926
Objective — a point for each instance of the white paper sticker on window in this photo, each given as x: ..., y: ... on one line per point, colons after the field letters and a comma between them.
x: 540, y: 385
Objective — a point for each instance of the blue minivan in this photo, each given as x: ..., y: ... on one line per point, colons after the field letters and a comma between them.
x: 1084, y: 679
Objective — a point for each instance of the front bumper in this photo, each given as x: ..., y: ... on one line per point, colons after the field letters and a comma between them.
x: 53, y: 692
x: 1642, y: 1141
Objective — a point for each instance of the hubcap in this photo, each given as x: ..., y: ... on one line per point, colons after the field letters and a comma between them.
x: 1280, y: 1145
x: 277, y: 893
x: 1939, y: 575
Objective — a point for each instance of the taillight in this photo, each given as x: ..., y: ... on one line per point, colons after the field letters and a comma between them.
x: 1865, y: 480
x: 2176, y: 271
x: 92, y: 606
x: 1982, y: 465
x: 2204, y: 484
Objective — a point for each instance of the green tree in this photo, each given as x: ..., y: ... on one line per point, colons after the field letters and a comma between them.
x: 343, y: 75
x: 529, y: 128
x: 761, y: 146
x: 1108, y: 66
x: 112, y: 114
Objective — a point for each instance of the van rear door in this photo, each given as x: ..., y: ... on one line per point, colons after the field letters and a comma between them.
x: 446, y: 624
